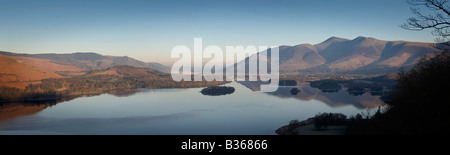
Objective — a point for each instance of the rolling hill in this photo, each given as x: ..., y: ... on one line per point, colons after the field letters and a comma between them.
x: 60, y: 68
x: 15, y: 70
x: 20, y: 70
x: 72, y: 64
x: 16, y: 73
x: 125, y: 71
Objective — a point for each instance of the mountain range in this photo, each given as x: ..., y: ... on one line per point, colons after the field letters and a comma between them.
x: 125, y: 71
x: 20, y: 70
x: 362, y: 55
x: 79, y: 63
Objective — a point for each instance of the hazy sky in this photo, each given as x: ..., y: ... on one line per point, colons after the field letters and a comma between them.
x: 148, y: 29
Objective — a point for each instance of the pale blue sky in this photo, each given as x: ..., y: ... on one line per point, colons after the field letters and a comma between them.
x: 148, y: 29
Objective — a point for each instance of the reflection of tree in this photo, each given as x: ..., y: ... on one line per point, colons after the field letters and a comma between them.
x: 11, y: 94
x: 335, y: 99
x: 356, y: 93
x: 330, y: 90
x: 124, y: 92
x: 375, y: 93
x: 326, y: 86
x: 16, y: 109
x: 420, y: 103
x: 31, y: 104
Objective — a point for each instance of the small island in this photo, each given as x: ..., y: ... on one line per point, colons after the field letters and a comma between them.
x: 218, y: 91
x: 295, y: 91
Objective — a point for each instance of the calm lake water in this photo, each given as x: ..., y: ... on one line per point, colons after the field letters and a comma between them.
x: 179, y: 111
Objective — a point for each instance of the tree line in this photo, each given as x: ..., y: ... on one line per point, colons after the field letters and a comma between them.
x: 81, y: 85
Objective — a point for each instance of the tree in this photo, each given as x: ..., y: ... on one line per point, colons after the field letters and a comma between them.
x: 366, y: 114
x: 436, y: 18
x: 420, y: 103
x: 422, y: 94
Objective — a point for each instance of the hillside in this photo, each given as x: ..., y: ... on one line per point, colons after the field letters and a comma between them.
x: 60, y: 68
x: 125, y: 71
x: 84, y: 61
x: 362, y: 55
x: 16, y: 71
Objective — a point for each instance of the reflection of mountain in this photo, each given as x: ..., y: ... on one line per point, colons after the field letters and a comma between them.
x: 17, y: 109
x: 307, y: 93
x: 124, y: 92
x: 11, y: 110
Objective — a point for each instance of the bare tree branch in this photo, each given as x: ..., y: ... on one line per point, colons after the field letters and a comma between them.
x: 437, y: 19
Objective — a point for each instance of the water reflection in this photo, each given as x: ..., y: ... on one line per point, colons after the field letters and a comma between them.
x: 303, y: 92
x: 12, y: 110
x: 125, y: 92
x: 357, y: 93
x: 94, y: 124
x: 17, y: 109
x: 178, y: 111
x: 333, y: 97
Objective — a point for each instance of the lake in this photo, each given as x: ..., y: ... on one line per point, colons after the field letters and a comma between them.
x: 179, y: 112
